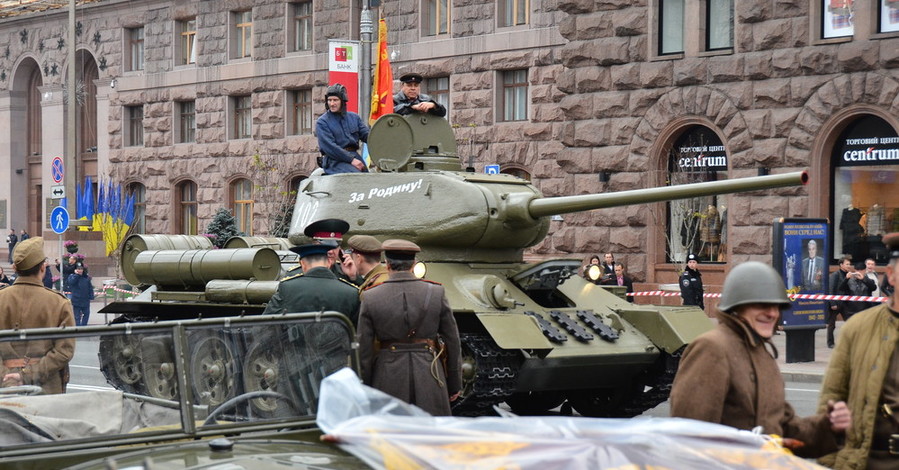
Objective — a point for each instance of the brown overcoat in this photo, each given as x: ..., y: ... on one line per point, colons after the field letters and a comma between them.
x: 397, y: 313
x: 729, y: 376
x: 28, y: 304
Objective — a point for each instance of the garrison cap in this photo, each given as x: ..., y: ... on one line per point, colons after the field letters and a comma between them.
x: 411, y: 78
x: 400, y: 249
x: 312, y: 249
x: 326, y: 229
x: 891, y: 240
x: 364, y: 244
x: 28, y: 254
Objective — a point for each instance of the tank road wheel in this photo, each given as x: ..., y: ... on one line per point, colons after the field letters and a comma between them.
x: 212, y: 370
x: 120, y: 362
x: 264, y: 371
x: 534, y: 403
x: 488, y: 375
x: 161, y: 381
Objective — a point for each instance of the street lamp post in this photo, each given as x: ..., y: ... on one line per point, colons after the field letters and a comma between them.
x: 365, y: 30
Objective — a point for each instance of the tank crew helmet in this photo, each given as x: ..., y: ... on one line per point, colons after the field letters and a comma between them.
x: 339, y: 91
x: 753, y: 283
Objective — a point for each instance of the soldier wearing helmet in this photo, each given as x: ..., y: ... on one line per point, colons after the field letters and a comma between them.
x: 730, y: 375
x: 339, y: 132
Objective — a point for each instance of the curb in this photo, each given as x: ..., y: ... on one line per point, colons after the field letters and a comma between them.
x: 804, y: 377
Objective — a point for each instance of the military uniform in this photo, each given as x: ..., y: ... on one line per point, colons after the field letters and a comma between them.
x: 375, y: 277
x: 402, y: 104
x: 314, y: 291
x: 691, y: 288
x: 28, y: 304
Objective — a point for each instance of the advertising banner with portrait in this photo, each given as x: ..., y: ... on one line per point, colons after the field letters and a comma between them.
x: 799, y: 254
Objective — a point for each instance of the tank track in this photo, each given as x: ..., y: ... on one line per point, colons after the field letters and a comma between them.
x: 496, y: 371
x: 659, y: 378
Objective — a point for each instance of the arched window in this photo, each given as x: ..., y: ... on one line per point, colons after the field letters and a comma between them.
x: 242, y: 203
x: 139, y: 191
x: 515, y: 171
x: 697, y: 225
x: 187, y: 207
x: 865, y: 165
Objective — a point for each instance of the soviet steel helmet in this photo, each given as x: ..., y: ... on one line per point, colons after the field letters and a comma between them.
x: 752, y: 283
x: 337, y: 90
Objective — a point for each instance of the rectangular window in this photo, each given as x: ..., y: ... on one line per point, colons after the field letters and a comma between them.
x: 187, y: 122
x: 438, y: 89
x: 188, y: 36
x: 188, y: 207
x: 436, y: 17
x: 515, y: 95
x: 135, y: 125
x: 836, y: 19
x: 889, y: 16
x: 135, y: 37
x: 513, y: 12
x: 243, y: 117
x: 671, y: 26
x: 243, y: 34
x: 720, y: 24
x: 302, y: 26
x: 301, y: 116
x: 242, y: 194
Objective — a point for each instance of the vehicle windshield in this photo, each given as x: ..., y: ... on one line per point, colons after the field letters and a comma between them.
x: 146, y: 382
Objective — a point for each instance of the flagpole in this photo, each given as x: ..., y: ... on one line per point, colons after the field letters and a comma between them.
x: 365, y: 30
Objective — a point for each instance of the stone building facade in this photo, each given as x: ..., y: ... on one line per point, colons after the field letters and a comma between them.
x: 580, y: 96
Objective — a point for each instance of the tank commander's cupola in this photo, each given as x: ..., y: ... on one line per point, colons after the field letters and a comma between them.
x: 415, y: 142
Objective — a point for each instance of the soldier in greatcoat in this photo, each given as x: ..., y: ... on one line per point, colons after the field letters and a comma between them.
x: 406, y: 327
x: 28, y: 304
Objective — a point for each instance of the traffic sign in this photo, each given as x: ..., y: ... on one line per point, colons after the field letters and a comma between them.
x: 59, y: 220
x: 58, y: 192
x: 491, y: 169
x: 56, y: 170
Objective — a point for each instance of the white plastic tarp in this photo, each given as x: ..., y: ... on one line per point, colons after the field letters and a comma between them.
x: 389, y: 434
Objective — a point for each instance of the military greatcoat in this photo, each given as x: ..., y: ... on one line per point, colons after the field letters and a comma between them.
x: 402, y: 314
x: 315, y: 291
x: 45, y: 363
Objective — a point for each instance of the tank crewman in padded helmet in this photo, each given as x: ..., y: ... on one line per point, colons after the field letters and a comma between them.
x: 407, y: 315
x: 28, y: 304
x: 330, y: 232
x: 339, y: 132
x: 691, y: 283
x: 410, y: 99
x: 365, y: 251
x: 316, y: 288
x: 730, y: 376
x: 864, y: 371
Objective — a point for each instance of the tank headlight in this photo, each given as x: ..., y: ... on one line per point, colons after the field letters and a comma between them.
x: 420, y: 270
x: 594, y: 272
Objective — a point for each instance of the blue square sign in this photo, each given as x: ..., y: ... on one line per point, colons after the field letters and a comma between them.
x: 491, y: 169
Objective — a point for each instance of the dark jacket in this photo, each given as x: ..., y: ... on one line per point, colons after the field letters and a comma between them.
x: 338, y: 140
x: 730, y: 376
x: 81, y: 289
x: 315, y: 291
x: 833, y: 287
x: 400, y: 314
x: 852, y: 286
x: 403, y: 105
x: 691, y: 288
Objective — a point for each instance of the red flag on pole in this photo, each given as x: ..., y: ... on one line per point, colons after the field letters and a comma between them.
x: 382, y: 86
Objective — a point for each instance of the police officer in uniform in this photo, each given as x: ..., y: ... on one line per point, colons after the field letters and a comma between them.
x: 407, y: 315
x: 316, y: 288
x: 330, y: 231
x: 28, y: 304
x: 691, y: 283
x: 365, y: 251
x: 410, y: 99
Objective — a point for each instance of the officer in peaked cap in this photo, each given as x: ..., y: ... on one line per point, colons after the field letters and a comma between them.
x: 410, y: 99
x: 691, y: 283
x: 365, y: 251
x: 864, y: 371
x: 28, y: 304
x: 316, y: 288
x: 330, y: 232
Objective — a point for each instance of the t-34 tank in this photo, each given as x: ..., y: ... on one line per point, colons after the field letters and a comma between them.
x: 533, y: 335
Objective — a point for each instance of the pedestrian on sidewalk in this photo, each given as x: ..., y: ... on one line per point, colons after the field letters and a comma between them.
x: 730, y: 375
x: 864, y: 371
x: 11, y: 241
x: 836, y: 307
x: 82, y: 292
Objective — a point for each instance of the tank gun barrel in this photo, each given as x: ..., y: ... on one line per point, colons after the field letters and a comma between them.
x: 543, y: 207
